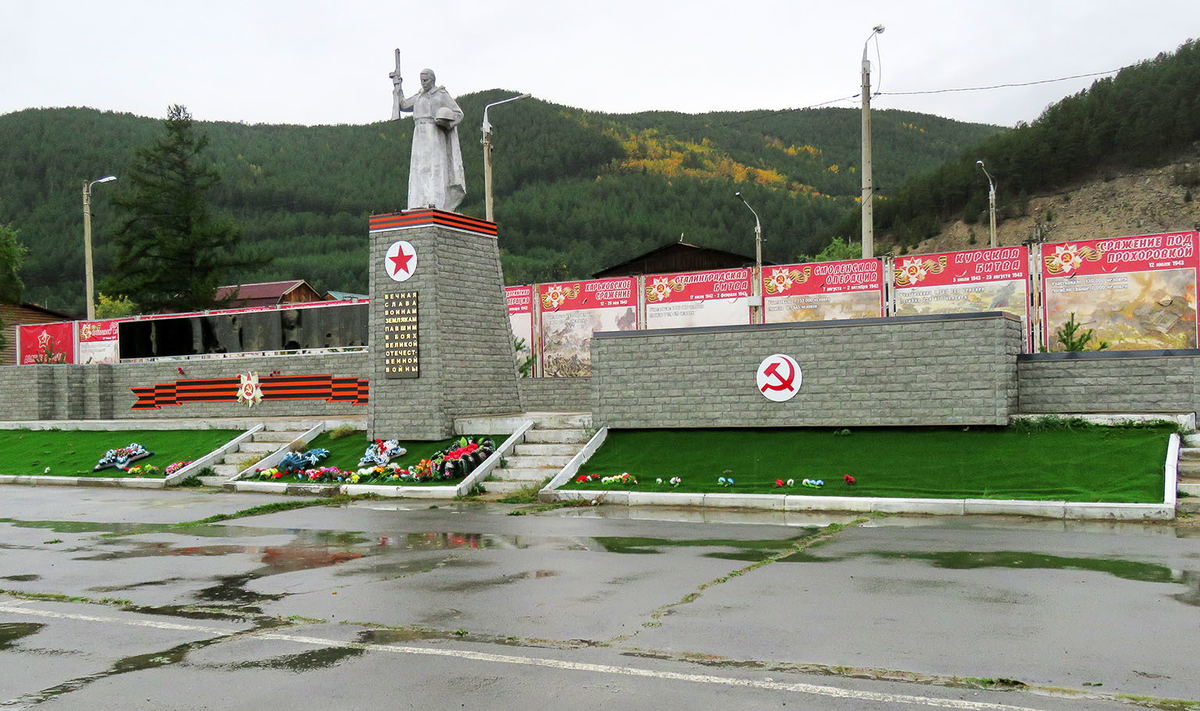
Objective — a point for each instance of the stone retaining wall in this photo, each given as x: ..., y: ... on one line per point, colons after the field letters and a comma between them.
x: 956, y: 369
x: 102, y: 392
x: 1116, y: 381
x: 556, y: 394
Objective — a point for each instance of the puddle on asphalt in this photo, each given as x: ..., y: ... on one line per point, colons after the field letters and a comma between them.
x: 744, y: 550
x: 971, y: 560
x: 25, y: 578
x: 301, y: 662
x: 477, y: 585
x: 10, y: 632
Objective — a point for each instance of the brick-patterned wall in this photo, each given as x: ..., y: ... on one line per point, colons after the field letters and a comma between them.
x: 556, y: 394
x: 76, y: 392
x: 464, y: 337
x: 916, y: 370
x: 1117, y: 382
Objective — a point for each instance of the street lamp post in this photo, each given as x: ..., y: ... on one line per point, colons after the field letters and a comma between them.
x: 87, y: 242
x: 487, y: 155
x: 991, y: 202
x: 868, y: 188
x: 755, y: 287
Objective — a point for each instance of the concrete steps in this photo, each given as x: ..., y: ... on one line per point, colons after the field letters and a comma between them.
x: 274, y: 435
x: 554, y: 439
x: 525, y: 474
x: 546, y: 450
x: 564, y: 436
x: 493, y: 486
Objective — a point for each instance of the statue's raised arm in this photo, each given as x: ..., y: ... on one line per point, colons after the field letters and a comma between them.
x: 435, y: 175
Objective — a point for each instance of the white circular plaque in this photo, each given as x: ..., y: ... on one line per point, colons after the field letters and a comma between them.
x: 779, y: 378
x: 401, y: 261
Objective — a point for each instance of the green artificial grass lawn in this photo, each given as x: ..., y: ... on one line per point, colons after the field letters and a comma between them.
x: 74, y: 452
x: 345, y: 452
x: 1055, y: 463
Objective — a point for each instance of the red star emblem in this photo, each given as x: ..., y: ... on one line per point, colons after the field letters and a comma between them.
x: 401, y: 261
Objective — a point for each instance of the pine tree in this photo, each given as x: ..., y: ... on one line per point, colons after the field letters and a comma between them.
x: 171, y: 252
x: 12, y: 253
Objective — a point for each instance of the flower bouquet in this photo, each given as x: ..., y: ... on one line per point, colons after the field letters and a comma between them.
x: 122, y: 457
x: 381, y: 452
x: 172, y: 468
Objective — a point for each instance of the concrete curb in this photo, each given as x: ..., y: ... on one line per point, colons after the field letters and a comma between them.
x: 865, y: 504
x: 37, y: 480
x: 208, y: 459
x: 1186, y: 420
x: 1171, y: 485
x: 564, y: 475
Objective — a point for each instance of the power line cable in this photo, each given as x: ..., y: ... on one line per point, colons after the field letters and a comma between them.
x: 996, y: 86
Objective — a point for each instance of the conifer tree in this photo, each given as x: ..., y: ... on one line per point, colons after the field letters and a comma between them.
x: 172, y: 253
x: 12, y: 253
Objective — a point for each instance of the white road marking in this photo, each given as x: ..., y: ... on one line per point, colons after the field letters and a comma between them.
x: 157, y: 624
x: 809, y: 689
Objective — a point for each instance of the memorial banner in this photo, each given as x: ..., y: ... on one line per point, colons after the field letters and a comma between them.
x: 572, y: 311
x: 957, y: 282
x: 691, y: 299
x: 1135, y: 293
x: 823, y: 291
x: 520, y: 317
x: 46, y: 343
x: 99, y: 342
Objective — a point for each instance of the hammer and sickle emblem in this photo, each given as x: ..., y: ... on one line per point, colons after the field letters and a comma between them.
x: 785, y: 382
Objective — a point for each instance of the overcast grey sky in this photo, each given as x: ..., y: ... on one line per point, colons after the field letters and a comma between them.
x: 311, y: 62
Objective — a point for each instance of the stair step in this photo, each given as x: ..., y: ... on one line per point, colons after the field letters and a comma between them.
x: 212, y: 480
x: 560, y: 420
x: 1189, y: 466
x: 287, y: 426
x: 224, y: 471
x: 258, y: 447
x: 505, y: 487
x: 1191, y: 440
x: 1191, y: 488
x: 526, y: 475
x: 547, y: 450
x: 526, y: 462
x: 536, y: 436
x: 1188, y: 505
x: 280, y: 437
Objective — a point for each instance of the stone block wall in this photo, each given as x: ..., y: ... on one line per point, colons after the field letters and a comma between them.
x: 956, y: 369
x: 464, y: 338
x: 556, y: 394
x: 102, y: 392
x: 1116, y: 382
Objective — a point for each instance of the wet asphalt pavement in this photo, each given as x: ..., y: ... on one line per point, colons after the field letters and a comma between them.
x: 397, y: 604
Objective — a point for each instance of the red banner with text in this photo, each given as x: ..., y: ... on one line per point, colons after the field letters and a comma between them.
x: 572, y: 311
x: 692, y: 299
x: 520, y: 317
x: 1133, y: 293
x: 823, y: 291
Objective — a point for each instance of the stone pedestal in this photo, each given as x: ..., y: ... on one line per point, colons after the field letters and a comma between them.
x: 454, y: 296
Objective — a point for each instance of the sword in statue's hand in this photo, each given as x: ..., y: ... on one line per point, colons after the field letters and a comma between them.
x: 397, y: 92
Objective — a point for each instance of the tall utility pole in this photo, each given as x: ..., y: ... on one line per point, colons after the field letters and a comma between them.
x: 756, y: 286
x: 487, y: 156
x: 868, y: 188
x: 991, y: 202
x: 87, y: 242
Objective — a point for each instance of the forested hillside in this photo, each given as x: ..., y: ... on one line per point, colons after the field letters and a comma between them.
x: 575, y: 191
x: 1147, y: 115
